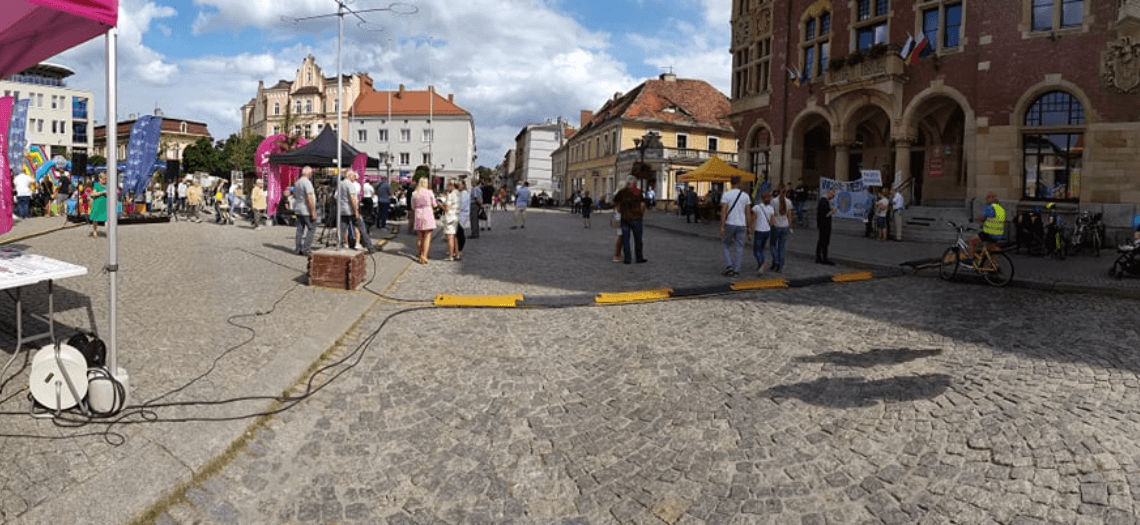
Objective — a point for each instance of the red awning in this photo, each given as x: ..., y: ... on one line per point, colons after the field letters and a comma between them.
x: 34, y: 30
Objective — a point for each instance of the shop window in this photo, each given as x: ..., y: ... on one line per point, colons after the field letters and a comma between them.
x: 1054, y: 147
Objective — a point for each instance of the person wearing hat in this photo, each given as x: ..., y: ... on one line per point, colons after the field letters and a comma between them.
x: 993, y: 223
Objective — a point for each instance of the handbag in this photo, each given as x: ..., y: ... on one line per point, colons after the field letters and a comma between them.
x: 482, y: 214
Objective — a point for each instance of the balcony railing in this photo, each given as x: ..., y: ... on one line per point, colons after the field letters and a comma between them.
x: 675, y: 155
x: 79, y: 139
x: 867, y: 68
x: 79, y: 114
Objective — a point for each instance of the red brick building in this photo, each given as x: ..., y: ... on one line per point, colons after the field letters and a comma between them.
x: 1033, y: 99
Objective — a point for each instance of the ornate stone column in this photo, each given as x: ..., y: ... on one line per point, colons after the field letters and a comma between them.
x: 902, y: 159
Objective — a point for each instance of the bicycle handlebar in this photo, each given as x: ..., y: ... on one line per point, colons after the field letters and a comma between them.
x: 960, y: 227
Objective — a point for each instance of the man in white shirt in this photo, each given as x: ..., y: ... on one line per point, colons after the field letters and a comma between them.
x: 522, y: 200
x: 899, y: 204
x: 352, y: 228
x: 734, y: 205
x: 22, y: 184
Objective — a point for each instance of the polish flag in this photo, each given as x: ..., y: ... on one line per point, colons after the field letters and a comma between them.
x: 919, y: 47
x: 907, y: 47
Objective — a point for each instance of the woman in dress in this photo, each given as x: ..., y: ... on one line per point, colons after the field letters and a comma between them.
x: 423, y: 204
x: 451, y: 220
x: 98, y: 204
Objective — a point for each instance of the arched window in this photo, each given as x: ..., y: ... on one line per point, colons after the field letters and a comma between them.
x: 1054, y: 142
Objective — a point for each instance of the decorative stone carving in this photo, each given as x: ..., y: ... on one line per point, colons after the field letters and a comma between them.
x: 762, y: 22
x: 1128, y: 15
x: 740, y: 34
x: 1120, y: 65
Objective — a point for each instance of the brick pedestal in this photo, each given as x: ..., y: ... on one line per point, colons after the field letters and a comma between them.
x: 343, y: 269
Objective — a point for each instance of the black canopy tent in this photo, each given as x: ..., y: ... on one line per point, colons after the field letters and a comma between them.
x: 320, y: 153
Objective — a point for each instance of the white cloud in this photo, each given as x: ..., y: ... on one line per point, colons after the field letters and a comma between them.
x: 508, y: 62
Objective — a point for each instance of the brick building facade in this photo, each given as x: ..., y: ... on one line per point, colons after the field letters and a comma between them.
x: 1035, y: 100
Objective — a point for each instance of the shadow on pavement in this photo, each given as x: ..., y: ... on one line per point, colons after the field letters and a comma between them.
x: 852, y: 392
x: 876, y: 357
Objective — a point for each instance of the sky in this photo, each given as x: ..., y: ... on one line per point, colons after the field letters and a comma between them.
x: 508, y: 62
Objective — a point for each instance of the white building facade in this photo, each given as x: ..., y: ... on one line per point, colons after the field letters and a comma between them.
x: 59, y: 117
x: 533, y: 148
x: 406, y: 129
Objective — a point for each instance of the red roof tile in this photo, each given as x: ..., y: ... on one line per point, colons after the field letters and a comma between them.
x: 404, y: 102
x: 680, y: 102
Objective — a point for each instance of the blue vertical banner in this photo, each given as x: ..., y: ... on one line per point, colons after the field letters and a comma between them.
x: 141, y: 153
x: 18, y: 137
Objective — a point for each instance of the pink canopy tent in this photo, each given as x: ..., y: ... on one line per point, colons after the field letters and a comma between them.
x: 33, y: 30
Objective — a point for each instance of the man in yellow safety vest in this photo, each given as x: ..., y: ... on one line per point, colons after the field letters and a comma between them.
x: 993, y: 223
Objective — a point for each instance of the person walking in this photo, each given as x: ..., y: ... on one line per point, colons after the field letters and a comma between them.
x: 305, y: 208
x: 259, y: 202
x: 98, y: 204
x: 488, y: 203
x: 760, y: 224
x: 824, y: 211
x: 691, y: 205
x: 194, y: 200
x: 632, y: 207
x: 183, y: 188
x: 423, y: 213
x: 781, y: 228
x: 882, y: 208
x: 587, y: 205
x: 522, y: 201
x: 464, y: 219
x: 734, y: 205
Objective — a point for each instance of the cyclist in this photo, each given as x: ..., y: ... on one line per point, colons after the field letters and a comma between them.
x: 993, y: 223
x: 1053, y: 230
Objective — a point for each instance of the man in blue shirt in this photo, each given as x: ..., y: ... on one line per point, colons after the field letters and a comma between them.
x: 383, y: 203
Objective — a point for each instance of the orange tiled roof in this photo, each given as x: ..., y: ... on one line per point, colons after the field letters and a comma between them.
x: 681, y: 102
x: 404, y: 103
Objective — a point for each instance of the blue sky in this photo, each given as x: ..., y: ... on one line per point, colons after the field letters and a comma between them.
x: 508, y: 62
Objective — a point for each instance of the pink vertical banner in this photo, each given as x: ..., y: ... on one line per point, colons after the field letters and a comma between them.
x: 264, y: 171
x: 5, y: 173
x: 359, y: 164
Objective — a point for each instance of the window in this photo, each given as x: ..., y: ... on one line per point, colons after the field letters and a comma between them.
x: 53, y: 126
x: 40, y: 126
x: 405, y: 158
x: 816, y: 45
x: 942, y: 25
x: 682, y: 141
x: 1057, y: 14
x: 427, y: 135
x: 713, y: 143
x: 276, y: 108
x: 405, y: 135
x: 54, y: 101
x: 426, y: 159
x: 308, y: 130
x: 362, y: 135
x: 298, y: 108
x: 40, y: 100
x: 309, y: 106
x: 276, y: 130
x: 1054, y: 147
x: 871, y: 24
x: 382, y: 135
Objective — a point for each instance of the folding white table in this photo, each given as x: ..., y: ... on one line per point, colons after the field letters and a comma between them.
x: 19, y: 270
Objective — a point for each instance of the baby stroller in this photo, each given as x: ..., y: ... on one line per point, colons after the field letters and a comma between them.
x: 1128, y: 263
x: 1030, y: 233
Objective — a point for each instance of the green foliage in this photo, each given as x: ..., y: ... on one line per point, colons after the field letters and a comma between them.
x: 97, y: 160
x: 421, y: 172
x: 238, y: 152
x: 201, y: 156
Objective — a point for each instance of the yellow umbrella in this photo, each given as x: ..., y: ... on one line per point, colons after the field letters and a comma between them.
x: 716, y: 170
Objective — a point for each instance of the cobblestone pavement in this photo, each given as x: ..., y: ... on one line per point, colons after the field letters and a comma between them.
x: 904, y: 400
x: 180, y: 287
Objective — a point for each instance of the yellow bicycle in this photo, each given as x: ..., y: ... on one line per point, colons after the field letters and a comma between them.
x: 989, y: 261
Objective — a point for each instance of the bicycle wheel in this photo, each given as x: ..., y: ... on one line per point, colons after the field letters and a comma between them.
x: 1001, y: 275
x: 948, y: 265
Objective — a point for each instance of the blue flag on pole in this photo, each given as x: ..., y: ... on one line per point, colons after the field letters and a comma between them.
x: 18, y: 136
x: 141, y: 152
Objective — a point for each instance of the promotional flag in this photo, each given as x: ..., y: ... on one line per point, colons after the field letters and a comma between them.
x: 142, y: 151
x: 265, y: 170
x: 907, y: 47
x: 17, y: 136
x: 5, y: 177
x: 919, y: 47
x: 360, y: 164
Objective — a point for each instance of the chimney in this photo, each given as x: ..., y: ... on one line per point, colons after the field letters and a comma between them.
x: 451, y: 97
x: 587, y: 115
x: 668, y: 77
x: 617, y: 95
x: 401, y: 93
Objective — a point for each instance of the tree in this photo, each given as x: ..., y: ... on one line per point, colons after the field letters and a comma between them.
x: 238, y: 152
x: 97, y: 160
x: 200, y: 156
